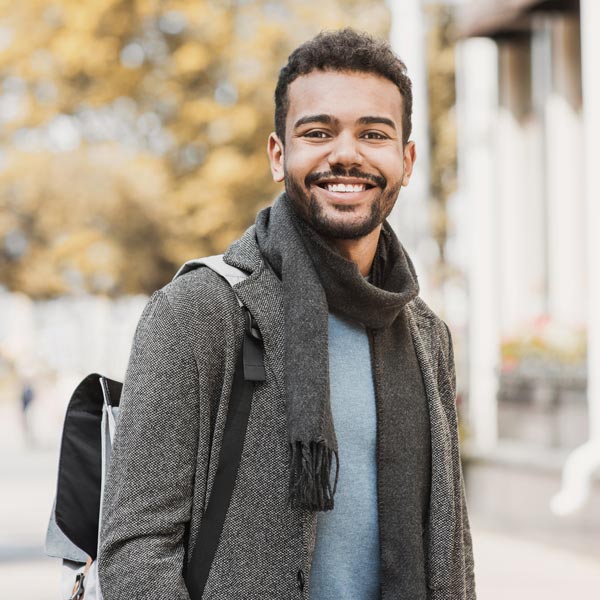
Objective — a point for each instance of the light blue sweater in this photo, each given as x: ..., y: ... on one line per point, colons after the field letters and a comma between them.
x: 346, y: 558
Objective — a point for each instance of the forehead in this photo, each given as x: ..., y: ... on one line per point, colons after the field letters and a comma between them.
x: 344, y: 95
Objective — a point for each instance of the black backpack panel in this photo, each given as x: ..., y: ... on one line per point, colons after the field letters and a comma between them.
x: 80, y: 468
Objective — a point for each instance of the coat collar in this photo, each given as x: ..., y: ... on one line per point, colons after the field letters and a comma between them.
x: 244, y: 253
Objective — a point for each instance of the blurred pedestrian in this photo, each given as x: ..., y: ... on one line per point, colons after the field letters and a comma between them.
x: 26, y: 400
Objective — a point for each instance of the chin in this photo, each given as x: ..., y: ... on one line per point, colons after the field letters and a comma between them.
x: 339, y: 223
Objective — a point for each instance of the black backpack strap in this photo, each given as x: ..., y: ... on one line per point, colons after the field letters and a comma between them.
x: 249, y: 368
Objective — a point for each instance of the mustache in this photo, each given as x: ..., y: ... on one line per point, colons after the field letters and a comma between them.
x: 378, y: 180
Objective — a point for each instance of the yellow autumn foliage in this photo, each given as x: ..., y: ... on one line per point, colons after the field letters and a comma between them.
x: 190, y: 58
x: 133, y: 134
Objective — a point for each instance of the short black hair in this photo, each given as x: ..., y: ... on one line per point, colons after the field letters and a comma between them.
x: 343, y: 50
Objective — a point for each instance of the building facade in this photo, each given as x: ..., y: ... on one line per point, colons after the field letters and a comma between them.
x: 528, y: 113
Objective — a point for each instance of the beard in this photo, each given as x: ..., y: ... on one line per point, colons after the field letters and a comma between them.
x: 311, y: 211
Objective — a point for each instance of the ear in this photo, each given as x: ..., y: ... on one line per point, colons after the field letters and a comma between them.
x: 275, y: 152
x: 410, y: 156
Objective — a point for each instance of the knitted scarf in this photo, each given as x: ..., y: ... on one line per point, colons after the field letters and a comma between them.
x: 316, y: 279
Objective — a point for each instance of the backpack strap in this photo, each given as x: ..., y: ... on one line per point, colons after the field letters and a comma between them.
x: 249, y: 368
x: 211, y: 526
x: 215, y: 263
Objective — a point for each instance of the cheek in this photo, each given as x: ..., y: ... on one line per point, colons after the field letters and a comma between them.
x: 305, y: 160
x: 389, y: 161
x: 297, y: 168
x: 394, y: 169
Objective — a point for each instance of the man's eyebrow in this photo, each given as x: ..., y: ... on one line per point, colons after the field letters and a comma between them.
x: 315, y: 119
x: 375, y: 120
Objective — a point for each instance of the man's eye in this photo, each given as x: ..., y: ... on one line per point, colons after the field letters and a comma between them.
x: 316, y: 134
x: 375, y: 135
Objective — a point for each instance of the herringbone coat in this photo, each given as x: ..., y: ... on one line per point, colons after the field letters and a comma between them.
x: 173, y: 411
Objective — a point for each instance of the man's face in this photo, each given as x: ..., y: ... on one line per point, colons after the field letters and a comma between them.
x: 343, y: 162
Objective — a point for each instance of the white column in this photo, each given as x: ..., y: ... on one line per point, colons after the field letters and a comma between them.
x: 519, y: 202
x: 565, y: 177
x: 477, y: 100
x: 410, y: 218
x: 585, y: 460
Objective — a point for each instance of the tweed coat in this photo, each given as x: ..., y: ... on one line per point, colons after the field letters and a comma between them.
x: 173, y: 410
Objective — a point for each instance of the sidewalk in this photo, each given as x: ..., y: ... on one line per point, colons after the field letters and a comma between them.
x: 27, y: 487
x: 506, y: 568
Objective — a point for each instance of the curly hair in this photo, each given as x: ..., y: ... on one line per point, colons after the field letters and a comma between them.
x: 343, y: 50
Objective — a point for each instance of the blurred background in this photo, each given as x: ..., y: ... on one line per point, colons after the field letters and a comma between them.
x: 132, y: 138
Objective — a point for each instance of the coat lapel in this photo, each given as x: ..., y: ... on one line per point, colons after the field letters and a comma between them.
x: 442, y: 519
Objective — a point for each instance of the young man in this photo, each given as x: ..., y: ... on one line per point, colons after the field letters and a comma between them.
x: 349, y: 484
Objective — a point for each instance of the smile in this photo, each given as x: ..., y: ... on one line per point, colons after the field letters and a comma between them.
x: 345, y: 187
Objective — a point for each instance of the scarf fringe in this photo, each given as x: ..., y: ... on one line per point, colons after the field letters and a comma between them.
x: 310, y: 475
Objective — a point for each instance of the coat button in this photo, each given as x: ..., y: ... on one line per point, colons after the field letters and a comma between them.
x: 300, y: 579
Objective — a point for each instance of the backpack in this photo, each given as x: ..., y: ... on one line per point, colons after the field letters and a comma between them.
x: 89, y: 427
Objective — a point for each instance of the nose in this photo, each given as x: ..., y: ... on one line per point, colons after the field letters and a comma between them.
x: 345, y: 152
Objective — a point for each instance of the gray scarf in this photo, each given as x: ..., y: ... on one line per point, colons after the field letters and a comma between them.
x: 316, y: 280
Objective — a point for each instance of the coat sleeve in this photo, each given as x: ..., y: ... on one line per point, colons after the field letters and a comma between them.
x: 469, y: 576
x: 149, y: 488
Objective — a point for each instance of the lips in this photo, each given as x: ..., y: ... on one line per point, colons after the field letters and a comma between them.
x: 349, y: 182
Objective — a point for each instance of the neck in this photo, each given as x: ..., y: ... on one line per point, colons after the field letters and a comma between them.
x: 361, y: 252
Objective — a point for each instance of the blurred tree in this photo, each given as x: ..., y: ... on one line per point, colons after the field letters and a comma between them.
x: 133, y: 132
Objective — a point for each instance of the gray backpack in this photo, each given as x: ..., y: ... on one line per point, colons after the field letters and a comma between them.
x: 89, y: 428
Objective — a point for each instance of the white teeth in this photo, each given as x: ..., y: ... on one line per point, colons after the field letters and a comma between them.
x: 340, y: 187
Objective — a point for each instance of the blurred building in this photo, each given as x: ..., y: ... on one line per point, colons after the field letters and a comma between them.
x: 528, y: 113
x: 409, y: 217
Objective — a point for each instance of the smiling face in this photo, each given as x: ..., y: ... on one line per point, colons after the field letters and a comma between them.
x: 343, y: 161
